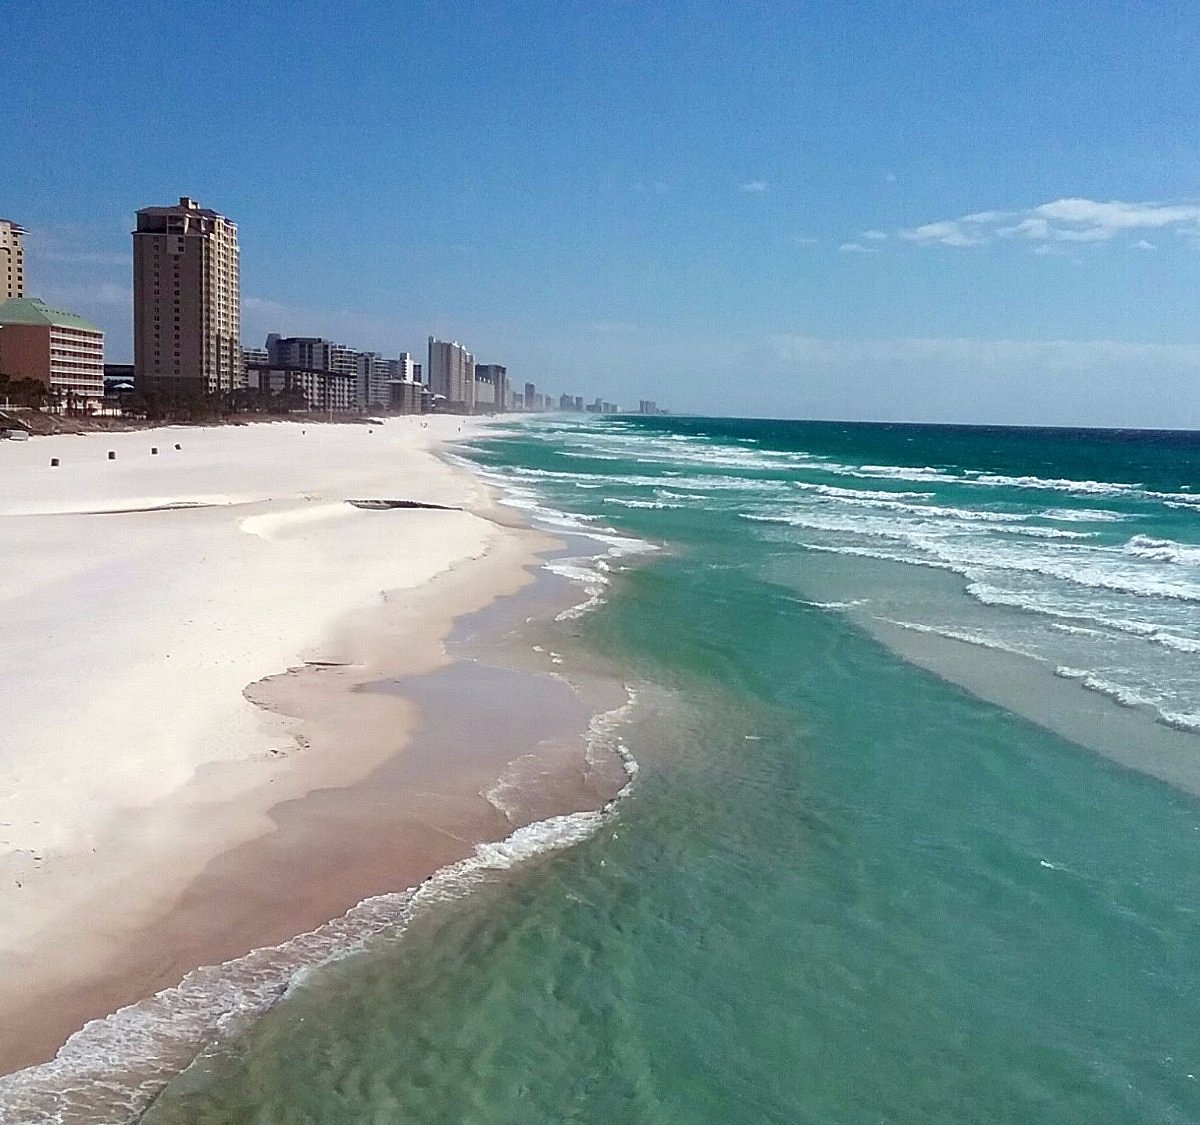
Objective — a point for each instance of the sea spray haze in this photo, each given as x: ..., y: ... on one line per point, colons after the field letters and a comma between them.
x: 842, y: 888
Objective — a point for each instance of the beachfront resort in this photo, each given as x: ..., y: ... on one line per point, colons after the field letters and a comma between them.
x: 189, y: 359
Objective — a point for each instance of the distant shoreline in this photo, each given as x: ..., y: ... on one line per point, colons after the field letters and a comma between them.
x: 46, y: 424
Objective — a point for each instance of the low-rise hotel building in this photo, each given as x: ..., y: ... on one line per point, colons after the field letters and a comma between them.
x: 53, y: 346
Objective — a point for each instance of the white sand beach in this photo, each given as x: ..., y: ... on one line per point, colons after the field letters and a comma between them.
x: 147, y: 600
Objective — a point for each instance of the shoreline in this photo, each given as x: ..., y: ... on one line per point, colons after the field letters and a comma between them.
x: 1128, y: 735
x: 401, y: 635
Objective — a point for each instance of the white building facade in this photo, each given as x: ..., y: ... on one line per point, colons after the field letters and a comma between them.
x: 452, y: 373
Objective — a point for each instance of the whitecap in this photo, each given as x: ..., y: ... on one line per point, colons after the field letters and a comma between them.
x: 1187, y: 722
x: 1119, y: 693
x: 979, y: 640
x: 112, y: 1068
x: 1044, y: 532
x: 1084, y: 515
x: 653, y: 504
x: 1056, y: 484
x: 1163, y: 550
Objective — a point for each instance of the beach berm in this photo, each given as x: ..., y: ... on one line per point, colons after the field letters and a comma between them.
x: 181, y: 633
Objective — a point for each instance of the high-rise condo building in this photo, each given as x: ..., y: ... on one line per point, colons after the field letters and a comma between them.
x: 186, y: 299
x: 403, y: 369
x: 371, y: 371
x: 452, y: 374
x: 333, y: 376
x: 485, y: 394
x: 497, y: 375
x: 406, y: 393
x: 53, y: 346
x: 309, y: 353
x: 12, y: 260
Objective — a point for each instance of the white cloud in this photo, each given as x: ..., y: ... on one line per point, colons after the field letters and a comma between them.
x: 1026, y: 228
x: 755, y: 187
x: 874, y: 235
x: 1087, y: 234
x: 1119, y: 216
x: 857, y: 248
x: 948, y: 232
x: 1071, y: 220
x: 1142, y: 244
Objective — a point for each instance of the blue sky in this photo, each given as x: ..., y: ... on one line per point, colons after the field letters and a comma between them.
x: 952, y: 212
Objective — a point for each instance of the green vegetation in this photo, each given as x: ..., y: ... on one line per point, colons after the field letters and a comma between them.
x: 28, y: 392
x: 165, y: 405
x: 170, y: 405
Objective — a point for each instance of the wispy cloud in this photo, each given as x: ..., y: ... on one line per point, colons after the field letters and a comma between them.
x: 360, y: 329
x: 755, y: 187
x: 1039, y: 355
x: 805, y: 240
x: 874, y: 236
x: 609, y: 327
x: 90, y: 294
x: 857, y: 248
x: 87, y: 258
x: 889, y: 177
x: 1048, y: 382
x: 66, y: 250
x: 1061, y: 221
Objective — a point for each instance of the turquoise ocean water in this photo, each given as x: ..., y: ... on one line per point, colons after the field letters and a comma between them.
x: 842, y: 888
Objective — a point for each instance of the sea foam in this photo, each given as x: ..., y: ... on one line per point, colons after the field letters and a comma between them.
x: 112, y: 1068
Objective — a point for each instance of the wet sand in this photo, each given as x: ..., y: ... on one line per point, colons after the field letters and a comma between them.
x: 419, y: 725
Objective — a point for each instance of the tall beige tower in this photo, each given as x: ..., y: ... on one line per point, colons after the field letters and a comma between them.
x: 186, y: 300
x: 12, y: 260
x: 452, y: 374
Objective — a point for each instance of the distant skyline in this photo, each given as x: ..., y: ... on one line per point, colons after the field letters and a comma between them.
x: 983, y: 213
